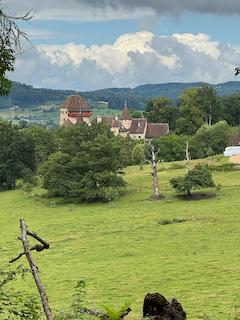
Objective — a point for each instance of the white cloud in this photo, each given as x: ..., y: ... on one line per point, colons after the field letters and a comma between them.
x: 132, y: 60
x: 200, y: 43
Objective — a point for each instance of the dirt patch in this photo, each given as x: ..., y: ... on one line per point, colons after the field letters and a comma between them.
x: 196, y: 196
x: 235, y: 158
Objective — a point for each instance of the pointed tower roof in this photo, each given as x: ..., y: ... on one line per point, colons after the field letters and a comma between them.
x: 80, y: 119
x: 67, y: 123
x: 75, y: 103
x: 125, y: 115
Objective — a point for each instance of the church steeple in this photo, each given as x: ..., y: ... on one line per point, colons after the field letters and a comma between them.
x: 125, y: 115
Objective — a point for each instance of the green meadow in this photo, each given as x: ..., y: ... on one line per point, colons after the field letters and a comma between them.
x: 124, y: 252
x: 99, y: 109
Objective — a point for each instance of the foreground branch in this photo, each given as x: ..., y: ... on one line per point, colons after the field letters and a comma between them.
x: 34, y: 268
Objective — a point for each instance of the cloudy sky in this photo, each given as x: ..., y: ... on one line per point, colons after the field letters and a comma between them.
x: 95, y: 44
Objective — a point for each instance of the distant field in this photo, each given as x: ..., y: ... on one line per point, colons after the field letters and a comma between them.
x: 99, y: 109
x: 123, y: 252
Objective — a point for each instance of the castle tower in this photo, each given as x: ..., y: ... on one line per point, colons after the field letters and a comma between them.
x: 126, y: 119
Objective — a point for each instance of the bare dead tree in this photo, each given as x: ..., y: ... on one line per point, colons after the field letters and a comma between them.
x: 187, y: 158
x: 34, y: 268
x: 9, y: 29
x: 154, y: 165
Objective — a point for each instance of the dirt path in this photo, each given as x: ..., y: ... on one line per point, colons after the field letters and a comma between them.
x: 235, y: 158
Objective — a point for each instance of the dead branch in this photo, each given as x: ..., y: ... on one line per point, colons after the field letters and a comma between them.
x: 34, y: 268
x: 36, y: 247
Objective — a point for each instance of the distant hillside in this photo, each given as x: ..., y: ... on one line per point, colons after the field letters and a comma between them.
x: 26, y: 96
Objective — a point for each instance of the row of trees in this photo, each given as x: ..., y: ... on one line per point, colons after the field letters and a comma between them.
x: 206, y: 142
x: 197, y: 105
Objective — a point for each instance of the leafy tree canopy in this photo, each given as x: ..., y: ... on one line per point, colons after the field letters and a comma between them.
x: 172, y: 147
x: 210, y: 140
x: 199, y: 177
x: 190, y: 112
x: 17, y: 154
x: 135, y: 113
x: 90, y: 161
x: 154, y: 110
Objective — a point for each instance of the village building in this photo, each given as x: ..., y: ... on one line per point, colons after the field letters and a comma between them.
x: 75, y: 110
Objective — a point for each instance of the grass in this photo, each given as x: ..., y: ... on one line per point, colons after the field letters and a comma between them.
x: 97, y: 108
x: 123, y: 253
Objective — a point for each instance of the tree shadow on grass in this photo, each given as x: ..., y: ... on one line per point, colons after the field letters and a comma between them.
x: 196, y: 196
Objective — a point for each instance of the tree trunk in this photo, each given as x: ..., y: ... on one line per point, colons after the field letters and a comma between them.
x: 188, y: 158
x: 154, y: 164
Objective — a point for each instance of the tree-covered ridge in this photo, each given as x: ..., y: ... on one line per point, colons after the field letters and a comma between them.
x: 26, y: 96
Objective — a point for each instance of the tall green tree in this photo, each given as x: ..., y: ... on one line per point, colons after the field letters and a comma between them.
x: 211, y: 105
x: 17, y: 154
x: 46, y: 143
x: 155, y: 109
x: 190, y: 112
x: 210, y: 140
x: 231, y: 109
x: 86, y: 166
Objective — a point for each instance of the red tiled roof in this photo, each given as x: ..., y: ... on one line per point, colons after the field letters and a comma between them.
x: 76, y: 103
x: 138, y: 125
x: 67, y: 123
x: 156, y: 130
x: 125, y: 115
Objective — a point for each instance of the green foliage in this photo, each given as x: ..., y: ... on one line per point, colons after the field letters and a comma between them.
x: 218, y: 187
x: 172, y: 147
x: 79, y: 298
x: 135, y: 113
x: 199, y: 177
x: 231, y: 108
x: 138, y: 155
x: 17, y: 154
x: 90, y: 160
x: 16, y: 305
x: 46, y: 143
x: 211, y: 105
x: 154, y: 109
x: 7, y: 60
x: 114, y: 314
x: 111, y: 193
x: 190, y: 113
x: 209, y: 140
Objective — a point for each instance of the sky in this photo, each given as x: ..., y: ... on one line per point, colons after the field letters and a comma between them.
x: 87, y: 45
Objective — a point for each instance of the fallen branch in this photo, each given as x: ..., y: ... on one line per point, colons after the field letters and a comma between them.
x: 34, y: 268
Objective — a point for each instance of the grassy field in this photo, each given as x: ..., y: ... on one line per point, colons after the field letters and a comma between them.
x: 99, y: 109
x: 123, y: 253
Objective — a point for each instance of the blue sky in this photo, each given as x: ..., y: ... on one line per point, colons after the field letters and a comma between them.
x: 96, y: 44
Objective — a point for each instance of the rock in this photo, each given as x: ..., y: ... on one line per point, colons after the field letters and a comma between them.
x: 157, y: 307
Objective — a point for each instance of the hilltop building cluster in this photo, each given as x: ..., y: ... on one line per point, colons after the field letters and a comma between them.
x: 75, y: 110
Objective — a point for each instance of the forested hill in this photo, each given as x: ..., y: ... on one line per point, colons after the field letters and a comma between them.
x: 26, y: 96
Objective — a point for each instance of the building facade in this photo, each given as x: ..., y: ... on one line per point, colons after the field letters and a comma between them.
x: 74, y: 110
